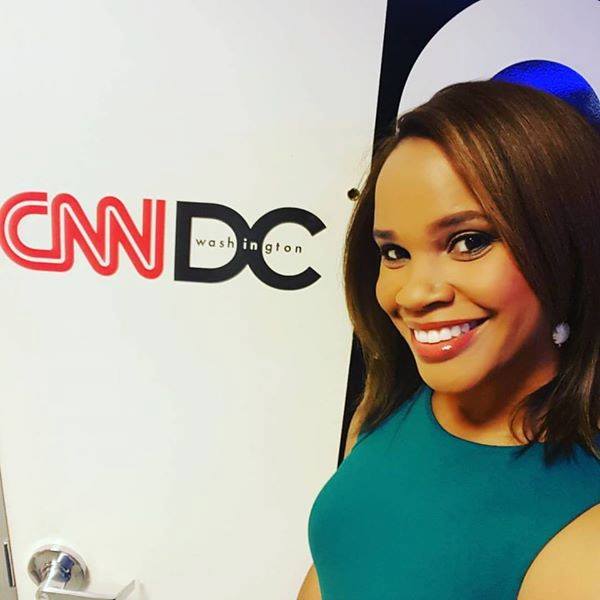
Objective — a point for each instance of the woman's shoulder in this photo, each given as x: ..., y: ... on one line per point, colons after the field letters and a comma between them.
x: 398, y: 410
x: 569, y: 564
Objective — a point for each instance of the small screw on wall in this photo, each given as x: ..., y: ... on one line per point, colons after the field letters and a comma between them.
x: 353, y: 194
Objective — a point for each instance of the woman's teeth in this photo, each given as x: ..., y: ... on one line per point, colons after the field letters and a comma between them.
x: 432, y: 336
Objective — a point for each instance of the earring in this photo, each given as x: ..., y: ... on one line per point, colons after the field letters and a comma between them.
x: 561, y: 333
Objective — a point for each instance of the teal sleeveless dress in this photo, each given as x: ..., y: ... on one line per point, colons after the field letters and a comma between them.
x: 417, y: 513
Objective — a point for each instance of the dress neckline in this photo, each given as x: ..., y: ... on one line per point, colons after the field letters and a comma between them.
x: 428, y: 395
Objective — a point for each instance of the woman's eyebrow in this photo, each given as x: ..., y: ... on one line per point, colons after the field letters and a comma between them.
x: 440, y: 224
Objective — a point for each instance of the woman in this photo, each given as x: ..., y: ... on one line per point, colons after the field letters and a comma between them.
x: 471, y: 273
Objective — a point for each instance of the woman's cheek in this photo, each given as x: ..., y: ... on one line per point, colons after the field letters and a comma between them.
x: 506, y: 287
x: 384, y: 293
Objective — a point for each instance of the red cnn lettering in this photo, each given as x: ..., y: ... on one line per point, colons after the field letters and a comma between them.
x: 70, y: 225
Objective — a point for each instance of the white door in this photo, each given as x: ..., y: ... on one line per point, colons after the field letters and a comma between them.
x: 172, y: 395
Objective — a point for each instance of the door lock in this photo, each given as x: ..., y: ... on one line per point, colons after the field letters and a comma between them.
x: 61, y: 574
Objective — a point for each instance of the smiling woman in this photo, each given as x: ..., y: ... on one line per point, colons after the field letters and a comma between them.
x: 455, y: 266
x: 471, y: 254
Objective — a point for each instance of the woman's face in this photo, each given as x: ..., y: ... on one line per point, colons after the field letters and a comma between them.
x: 430, y: 274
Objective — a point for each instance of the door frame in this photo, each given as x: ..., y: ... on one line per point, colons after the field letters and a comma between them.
x: 8, y: 589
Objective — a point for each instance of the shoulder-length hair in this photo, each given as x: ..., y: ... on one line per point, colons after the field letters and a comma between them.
x: 533, y: 163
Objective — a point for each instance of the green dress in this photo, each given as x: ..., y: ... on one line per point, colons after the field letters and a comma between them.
x: 416, y: 512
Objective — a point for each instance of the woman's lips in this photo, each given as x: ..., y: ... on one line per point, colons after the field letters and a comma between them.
x: 446, y: 349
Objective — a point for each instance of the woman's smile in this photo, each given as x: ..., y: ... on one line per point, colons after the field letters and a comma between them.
x: 436, y: 348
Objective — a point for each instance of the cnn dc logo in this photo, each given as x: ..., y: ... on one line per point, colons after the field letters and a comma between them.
x: 143, y: 244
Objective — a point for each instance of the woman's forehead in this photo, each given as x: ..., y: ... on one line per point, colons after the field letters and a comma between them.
x: 418, y: 168
x: 418, y: 185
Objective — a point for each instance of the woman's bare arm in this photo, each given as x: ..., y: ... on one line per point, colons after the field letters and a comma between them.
x: 310, y: 587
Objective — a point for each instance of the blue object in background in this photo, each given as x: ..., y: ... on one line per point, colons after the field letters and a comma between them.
x: 559, y: 80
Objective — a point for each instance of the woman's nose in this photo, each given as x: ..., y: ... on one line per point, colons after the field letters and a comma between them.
x: 422, y: 289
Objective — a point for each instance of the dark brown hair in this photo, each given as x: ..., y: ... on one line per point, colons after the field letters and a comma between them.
x: 533, y: 163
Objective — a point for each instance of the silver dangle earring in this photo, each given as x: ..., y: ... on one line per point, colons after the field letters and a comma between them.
x: 561, y: 333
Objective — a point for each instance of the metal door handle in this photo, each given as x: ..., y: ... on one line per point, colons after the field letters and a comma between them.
x: 61, y: 573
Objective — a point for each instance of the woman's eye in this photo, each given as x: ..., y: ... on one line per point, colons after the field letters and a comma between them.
x: 384, y: 249
x: 474, y: 242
